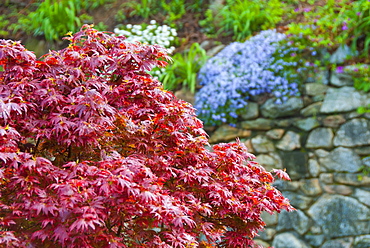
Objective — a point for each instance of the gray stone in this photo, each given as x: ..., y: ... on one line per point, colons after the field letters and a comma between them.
x: 353, y: 115
x: 314, y: 89
x: 327, y: 178
x: 295, y: 221
x: 288, y: 240
x: 341, y: 216
x: 366, y: 161
x: 321, y: 137
x: 343, y: 99
x: 315, y: 229
x: 343, y: 53
x: 362, y: 242
x: 341, y: 79
x: 250, y: 111
x: 297, y: 200
x: 272, y: 110
x: 363, y: 151
x: 311, y: 155
x: 275, y: 133
x: 283, y: 185
x: 338, y: 243
x: 311, y: 187
x: 342, y: 160
x: 258, y: 124
x: 321, y: 153
x: 338, y: 189
x: 285, y: 122
x: 261, y: 144
x: 289, y: 142
x: 267, y: 234
x: 312, y: 110
x: 315, y: 240
x: 322, y: 76
x: 318, y: 98
x: 228, y: 133
x: 296, y: 163
x: 353, y: 133
x: 363, y: 196
x: 354, y: 179
x: 267, y: 162
x: 277, y: 159
x: 313, y: 167
x: 269, y: 219
x: 307, y: 124
x: 334, y: 121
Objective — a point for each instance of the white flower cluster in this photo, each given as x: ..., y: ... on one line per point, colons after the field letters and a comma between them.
x: 149, y: 34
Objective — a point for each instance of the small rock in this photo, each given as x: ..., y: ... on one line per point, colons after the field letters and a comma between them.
x: 283, y: 185
x: 342, y: 99
x: 313, y: 167
x: 266, y: 161
x: 311, y: 187
x: 288, y: 240
x: 298, y: 201
x: 275, y: 133
x: 321, y: 153
x: 353, y: 133
x: 334, y: 121
x: 342, y: 160
x: 272, y: 110
x: 338, y: 243
x: 295, y: 220
x: 269, y: 219
x: 338, y: 189
x: 343, y: 53
x: 315, y: 240
x: 228, y: 133
x: 314, y: 89
x: 354, y: 179
x: 258, y: 124
x: 250, y: 111
x: 311, y: 110
x: 341, y: 216
x: 262, y: 145
x: 363, y: 196
x: 327, y: 178
x: 320, y: 138
x: 307, y: 124
x: 267, y: 234
x: 289, y: 142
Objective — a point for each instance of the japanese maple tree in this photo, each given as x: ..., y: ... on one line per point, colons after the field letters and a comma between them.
x: 95, y: 153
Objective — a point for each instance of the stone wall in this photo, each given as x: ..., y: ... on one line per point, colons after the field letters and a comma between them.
x: 324, y: 144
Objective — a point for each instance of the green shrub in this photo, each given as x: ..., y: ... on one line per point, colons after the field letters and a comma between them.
x: 334, y: 24
x: 3, y: 24
x: 171, y: 10
x: 243, y: 18
x: 184, y: 69
x: 54, y: 18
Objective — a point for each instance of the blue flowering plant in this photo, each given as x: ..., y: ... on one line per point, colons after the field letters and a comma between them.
x: 242, y: 70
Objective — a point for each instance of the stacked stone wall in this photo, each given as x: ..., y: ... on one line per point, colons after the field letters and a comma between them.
x: 324, y: 144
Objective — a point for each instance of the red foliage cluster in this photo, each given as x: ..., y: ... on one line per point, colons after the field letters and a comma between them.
x: 94, y: 153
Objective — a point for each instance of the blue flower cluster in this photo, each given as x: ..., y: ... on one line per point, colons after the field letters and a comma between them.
x: 242, y: 70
